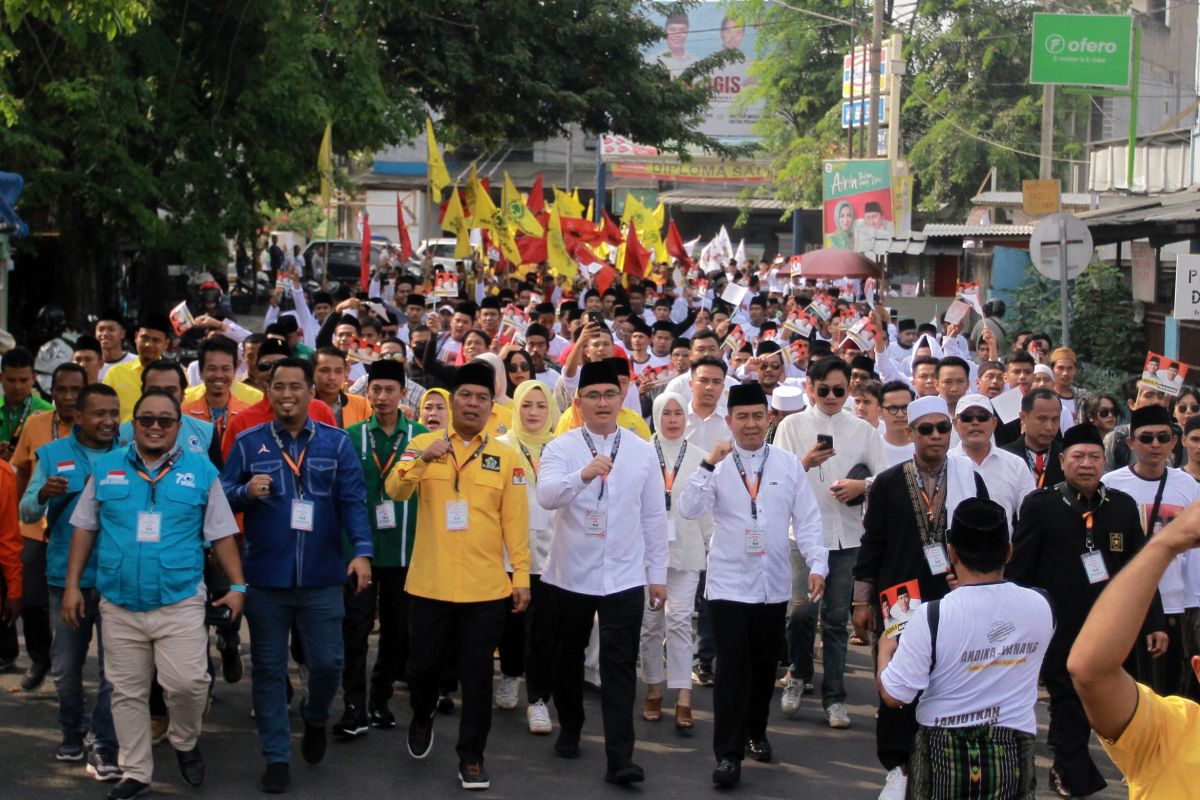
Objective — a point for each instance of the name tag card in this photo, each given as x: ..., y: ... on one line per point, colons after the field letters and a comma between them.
x: 302, y: 515
x: 596, y: 523
x: 149, y: 526
x: 456, y: 515
x: 1093, y: 567
x: 385, y: 514
x: 670, y: 529
x: 756, y: 542
x: 936, y: 558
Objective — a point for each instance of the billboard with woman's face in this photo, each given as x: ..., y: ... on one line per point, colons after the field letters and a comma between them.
x: 857, y: 196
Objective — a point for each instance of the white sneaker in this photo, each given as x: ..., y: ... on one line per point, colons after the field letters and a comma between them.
x: 837, y: 717
x: 539, y: 719
x: 894, y: 786
x: 506, y: 692
x: 790, y: 702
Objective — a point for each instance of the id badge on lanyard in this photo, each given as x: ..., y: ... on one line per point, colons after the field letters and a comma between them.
x: 936, y: 558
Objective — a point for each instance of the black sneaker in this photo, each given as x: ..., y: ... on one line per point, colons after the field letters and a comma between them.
x: 445, y: 704
x: 759, y: 749
x: 382, y: 717
x: 275, y: 779
x: 702, y: 675
x: 353, y: 723
x: 567, y: 745
x: 69, y: 750
x: 312, y: 746
x: 624, y: 775
x: 191, y: 765
x: 728, y: 772
x: 33, y: 678
x: 128, y: 788
x: 420, y: 738
x: 232, y: 668
x: 102, y: 765
x: 473, y: 775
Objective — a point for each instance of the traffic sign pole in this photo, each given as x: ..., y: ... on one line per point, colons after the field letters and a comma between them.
x: 1062, y: 281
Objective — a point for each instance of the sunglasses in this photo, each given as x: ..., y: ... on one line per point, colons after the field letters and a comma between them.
x: 150, y: 421
x: 1162, y: 437
x: 1188, y: 408
x: 518, y: 366
x: 838, y: 391
x: 927, y: 428
x: 261, y: 367
x: 1112, y: 412
x: 981, y: 416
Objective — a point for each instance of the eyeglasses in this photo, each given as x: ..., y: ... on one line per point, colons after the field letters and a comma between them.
x: 1188, y: 408
x: 982, y: 416
x: 1162, y: 437
x: 927, y: 428
x: 1112, y: 412
x: 896, y: 410
x: 592, y: 397
x: 838, y: 391
x: 150, y: 421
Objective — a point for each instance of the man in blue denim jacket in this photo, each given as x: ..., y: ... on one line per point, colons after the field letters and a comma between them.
x: 299, y: 484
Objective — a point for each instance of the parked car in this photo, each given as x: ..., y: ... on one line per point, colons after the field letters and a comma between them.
x: 342, y: 261
x: 443, y: 255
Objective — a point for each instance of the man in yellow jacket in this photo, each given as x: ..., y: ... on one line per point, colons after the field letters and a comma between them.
x: 151, y: 341
x: 472, y: 508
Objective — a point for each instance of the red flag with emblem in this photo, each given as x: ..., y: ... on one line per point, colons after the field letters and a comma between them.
x: 364, y: 257
x: 676, y: 248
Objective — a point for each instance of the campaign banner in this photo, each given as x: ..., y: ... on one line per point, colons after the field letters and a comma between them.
x: 181, y: 319
x: 1163, y: 374
x: 897, y: 604
x: 857, y: 196
x: 446, y: 284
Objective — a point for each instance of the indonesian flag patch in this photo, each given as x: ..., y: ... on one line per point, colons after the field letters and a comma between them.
x: 115, y: 476
x: 65, y: 466
x: 518, y: 478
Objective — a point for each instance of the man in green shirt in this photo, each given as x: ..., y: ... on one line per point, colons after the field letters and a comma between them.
x: 20, y: 400
x: 380, y: 443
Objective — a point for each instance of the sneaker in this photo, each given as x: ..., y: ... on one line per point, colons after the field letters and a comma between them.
x: 232, y: 668
x: 275, y: 779
x: 353, y: 723
x: 837, y: 717
x: 34, y: 677
x: 191, y: 766
x: 895, y: 786
x: 69, y: 751
x: 538, y: 717
x: 808, y: 687
x: 790, y: 702
x: 158, y: 728
x: 420, y: 737
x: 313, y: 743
x: 702, y: 675
x: 445, y: 704
x: 473, y: 775
x: 127, y: 789
x: 382, y: 717
x: 102, y: 765
x: 506, y: 692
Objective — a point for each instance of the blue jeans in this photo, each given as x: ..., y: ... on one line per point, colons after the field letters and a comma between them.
x: 68, y: 652
x: 317, y: 615
x: 835, y: 616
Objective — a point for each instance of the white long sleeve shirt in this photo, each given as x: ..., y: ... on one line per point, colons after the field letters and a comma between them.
x: 633, y: 549
x: 787, y: 516
x: 1007, y: 477
x: 854, y: 442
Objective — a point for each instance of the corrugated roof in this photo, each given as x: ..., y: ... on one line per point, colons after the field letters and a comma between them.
x: 688, y: 199
x: 1013, y: 199
x: 976, y: 231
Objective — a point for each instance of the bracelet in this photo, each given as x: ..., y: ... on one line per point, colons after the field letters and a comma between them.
x: 856, y: 603
x: 240, y: 588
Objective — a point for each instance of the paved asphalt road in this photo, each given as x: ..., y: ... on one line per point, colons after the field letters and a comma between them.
x: 812, y: 761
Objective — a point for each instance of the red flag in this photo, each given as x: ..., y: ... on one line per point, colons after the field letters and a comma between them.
x: 406, y: 249
x: 581, y: 230
x: 675, y: 247
x: 533, y: 249
x: 364, y: 258
x: 537, y: 200
x: 636, y: 256
x: 609, y: 230
x: 605, y: 278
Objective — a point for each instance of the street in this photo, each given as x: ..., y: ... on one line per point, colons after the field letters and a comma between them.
x: 811, y: 760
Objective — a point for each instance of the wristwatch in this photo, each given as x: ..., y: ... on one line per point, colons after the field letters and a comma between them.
x: 704, y: 465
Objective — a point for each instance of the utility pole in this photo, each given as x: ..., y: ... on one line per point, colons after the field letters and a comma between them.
x: 1045, y: 162
x: 853, y: 53
x: 896, y: 70
x: 876, y: 56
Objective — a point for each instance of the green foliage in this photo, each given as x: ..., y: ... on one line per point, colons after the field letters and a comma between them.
x: 1036, y: 305
x: 1103, y: 329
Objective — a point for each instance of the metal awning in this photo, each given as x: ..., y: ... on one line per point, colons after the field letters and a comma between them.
x: 683, y: 198
x: 1168, y: 218
x: 1075, y: 200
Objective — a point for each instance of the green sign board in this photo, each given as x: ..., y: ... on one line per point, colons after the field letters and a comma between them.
x: 1081, y: 49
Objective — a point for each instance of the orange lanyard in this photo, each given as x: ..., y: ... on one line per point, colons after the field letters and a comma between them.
x: 162, y: 473
x: 458, y: 471
x: 753, y: 491
x: 219, y: 421
x: 930, y: 509
x: 385, y: 468
x: 669, y: 478
x: 529, y: 457
x: 294, y: 466
x: 1039, y: 469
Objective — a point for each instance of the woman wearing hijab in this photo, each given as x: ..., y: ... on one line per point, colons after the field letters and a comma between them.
x: 527, y: 645
x: 501, y: 420
x: 435, y: 409
x: 686, y: 543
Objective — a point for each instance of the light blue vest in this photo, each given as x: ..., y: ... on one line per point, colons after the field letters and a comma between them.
x: 66, y: 458
x: 195, y: 435
x: 144, y: 576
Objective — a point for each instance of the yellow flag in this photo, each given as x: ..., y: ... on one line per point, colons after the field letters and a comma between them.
x: 469, y: 192
x: 325, y: 164
x: 590, y: 215
x: 647, y: 225
x: 561, y: 262
x: 567, y: 204
x: 456, y: 222
x: 516, y: 212
x: 435, y: 167
x: 484, y: 213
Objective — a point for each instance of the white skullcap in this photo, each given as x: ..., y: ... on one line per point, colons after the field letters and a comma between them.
x: 924, y: 406
x: 787, y: 398
x: 1042, y: 369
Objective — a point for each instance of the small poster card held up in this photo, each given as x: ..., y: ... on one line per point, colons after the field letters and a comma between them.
x: 799, y: 350
x: 362, y: 351
x: 957, y: 312
x: 821, y: 307
x: 734, y: 294
x: 800, y: 321
x: 971, y: 294
x: 446, y: 284
x: 1163, y: 374
x: 515, y: 319
x: 736, y: 338
x: 181, y: 319
x: 697, y: 289
x: 1008, y: 405
x: 897, y: 605
x: 862, y: 334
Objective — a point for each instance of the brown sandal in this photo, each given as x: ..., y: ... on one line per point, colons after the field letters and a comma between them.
x: 683, y: 718
x: 652, y: 711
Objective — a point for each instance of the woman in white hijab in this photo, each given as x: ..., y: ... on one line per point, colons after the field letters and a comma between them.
x: 687, y: 544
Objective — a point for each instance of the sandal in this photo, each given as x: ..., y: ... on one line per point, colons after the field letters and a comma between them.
x: 683, y: 718
x: 652, y: 710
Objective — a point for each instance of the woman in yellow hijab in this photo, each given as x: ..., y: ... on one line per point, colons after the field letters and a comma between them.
x: 434, y: 412
x: 526, y: 645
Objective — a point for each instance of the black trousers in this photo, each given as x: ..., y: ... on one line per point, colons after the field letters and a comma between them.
x: 527, y: 646
x: 387, y: 593
x: 1069, y: 732
x: 466, y: 633
x: 35, y: 601
x: 747, y: 638
x: 895, y: 733
x: 620, y: 632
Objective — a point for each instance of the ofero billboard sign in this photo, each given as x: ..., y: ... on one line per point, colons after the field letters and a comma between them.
x: 1081, y: 49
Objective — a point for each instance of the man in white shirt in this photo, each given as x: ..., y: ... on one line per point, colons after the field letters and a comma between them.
x: 1007, y: 475
x: 973, y: 657
x: 897, y: 438
x: 705, y: 424
x: 749, y: 570
x: 704, y: 343
x: 830, y: 442
x: 609, y: 548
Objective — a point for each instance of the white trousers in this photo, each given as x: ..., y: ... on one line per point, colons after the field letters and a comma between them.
x: 672, y: 624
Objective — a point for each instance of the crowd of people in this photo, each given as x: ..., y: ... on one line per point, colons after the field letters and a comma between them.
x: 640, y: 482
